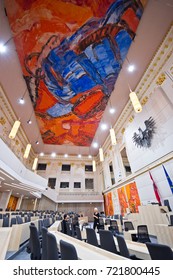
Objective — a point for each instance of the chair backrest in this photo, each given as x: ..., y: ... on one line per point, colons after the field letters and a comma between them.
x: 34, y: 243
x: 64, y: 227
x: 19, y: 220
x: 44, y: 243
x: 128, y: 226
x: 142, y: 233
x: 13, y: 221
x: 107, y: 241
x: 78, y: 233
x: 171, y: 220
x: 68, y: 251
x: 91, y: 237
x: 107, y: 221
x: 52, y: 250
x: 5, y: 222
x: 122, y: 246
x: 113, y: 223
x: 159, y: 251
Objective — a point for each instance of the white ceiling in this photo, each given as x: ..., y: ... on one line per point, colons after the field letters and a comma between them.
x: 153, y: 26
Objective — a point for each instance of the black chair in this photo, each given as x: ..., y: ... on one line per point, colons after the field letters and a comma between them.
x: 101, y: 224
x: 68, y: 251
x: 5, y: 222
x: 107, y: 221
x: 91, y: 237
x: 159, y: 251
x: 107, y: 241
x: 128, y: 226
x: 78, y: 234
x: 124, y: 252
x: 142, y: 234
x: 52, y: 250
x: 13, y: 221
x: 171, y: 220
x: 19, y: 220
x: 34, y: 243
x: 114, y: 227
x: 44, y: 243
x: 69, y: 231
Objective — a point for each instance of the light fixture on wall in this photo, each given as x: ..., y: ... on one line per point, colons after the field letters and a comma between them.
x: 131, y: 67
x: 35, y: 164
x: 94, y: 165
x: 14, y: 129
x: 101, y: 154
x: 113, y: 137
x: 27, y: 151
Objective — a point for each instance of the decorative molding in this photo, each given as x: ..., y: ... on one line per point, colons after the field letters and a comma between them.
x: 161, y: 79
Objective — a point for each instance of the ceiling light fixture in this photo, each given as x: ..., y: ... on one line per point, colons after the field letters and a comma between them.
x: 94, y: 165
x: 14, y: 129
x: 35, y: 164
x: 135, y: 102
x: 95, y: 145
x: 21, y: 100
x: 113, y: 137
x: 53, y: 155
x: 3, y: 48
x: 89, y: 156
x: 104, y: 126
x: 66, y: 155
x: 41, y: 154
x: 101, y: 155
x: 131, y: 68
x: 111, y: 110
x: 79, y: 155
x: 27, y: 151
x: 37, y: 142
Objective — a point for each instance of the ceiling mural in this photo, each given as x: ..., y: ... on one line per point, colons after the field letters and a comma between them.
x: 71, y: 52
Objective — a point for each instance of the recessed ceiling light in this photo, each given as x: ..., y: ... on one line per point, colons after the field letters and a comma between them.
x: 66, y: 155
x: 79, y: 156
x: 95, y: 145
x: 29, y: 122
x: 2, y: 48
x: 131, y: 68
x: 104, y: 126
x: 89, y: 156
x: 37, y: 142
x: 112, y: 110
x: 21, y: 100
x: 53, y: 154
x: 41, y: 154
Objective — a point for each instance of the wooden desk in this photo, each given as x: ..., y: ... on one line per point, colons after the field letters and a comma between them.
x: 20, y: 233
x: 138, y: 249
x: 5, y: 234
x: 164, y: 234
x: 86, y: 251
x: 56, y: 226
x: 128, y: 234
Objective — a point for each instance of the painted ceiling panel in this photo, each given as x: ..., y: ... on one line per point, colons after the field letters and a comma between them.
x: 71, y: 53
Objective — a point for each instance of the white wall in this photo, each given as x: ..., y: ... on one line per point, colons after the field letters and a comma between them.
x: 161, y: 110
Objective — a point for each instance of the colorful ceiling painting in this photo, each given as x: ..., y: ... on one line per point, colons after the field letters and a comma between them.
x: 71, y: 52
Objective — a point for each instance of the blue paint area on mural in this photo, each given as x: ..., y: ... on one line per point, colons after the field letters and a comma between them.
x: 91, y: 57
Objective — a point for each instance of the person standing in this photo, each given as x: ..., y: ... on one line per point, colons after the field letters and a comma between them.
x: 96, y: 218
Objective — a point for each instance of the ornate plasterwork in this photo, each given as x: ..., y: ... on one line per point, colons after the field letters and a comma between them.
x: 7, y: 119
x: 146, y: 86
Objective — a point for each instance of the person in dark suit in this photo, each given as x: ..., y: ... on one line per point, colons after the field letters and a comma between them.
x: 96, y: 218
x: 64, y: 224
